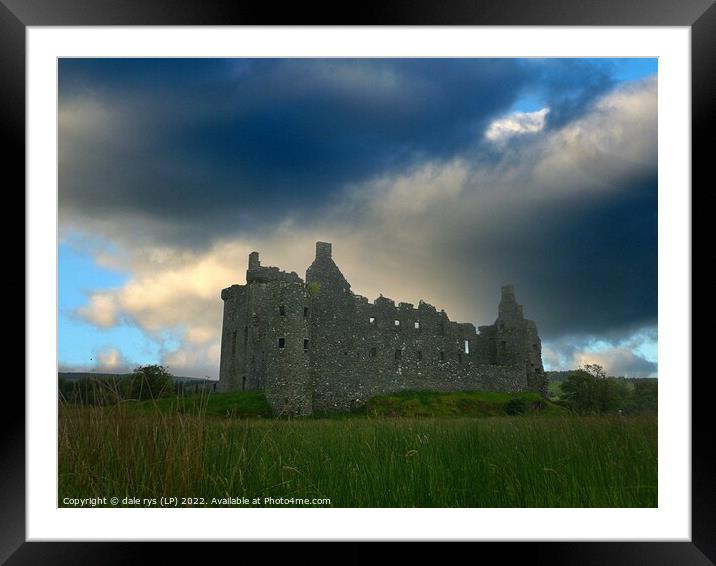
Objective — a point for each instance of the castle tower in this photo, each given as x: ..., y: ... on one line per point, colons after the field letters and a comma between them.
x: 333, y: 318
x: 325, y: 273
x: 285, y: 326
x: 517, y: 341
x: 265, y: 337
x: 234, y: 340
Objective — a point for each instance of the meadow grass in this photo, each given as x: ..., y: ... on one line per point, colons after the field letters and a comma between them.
x: 362, y: 461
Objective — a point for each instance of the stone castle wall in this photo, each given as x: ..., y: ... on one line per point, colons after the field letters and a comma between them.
x: 317, y: 346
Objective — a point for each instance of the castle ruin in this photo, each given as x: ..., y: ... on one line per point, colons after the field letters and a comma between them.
x: 317, y: 346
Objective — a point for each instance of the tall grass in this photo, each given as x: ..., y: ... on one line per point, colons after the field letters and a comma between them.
x: 561, y: 461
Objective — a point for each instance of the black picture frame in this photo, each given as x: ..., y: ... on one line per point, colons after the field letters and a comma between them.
x: 17, y: 15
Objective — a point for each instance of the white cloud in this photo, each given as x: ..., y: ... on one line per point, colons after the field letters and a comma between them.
x: 516, y: 124
x: 621, y: 358
x: 102, y: 309
x: 620, y: 361
x: 110, y: 360
x: 614, y: 142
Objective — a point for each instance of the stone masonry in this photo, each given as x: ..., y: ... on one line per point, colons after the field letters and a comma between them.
x: 317, y: 346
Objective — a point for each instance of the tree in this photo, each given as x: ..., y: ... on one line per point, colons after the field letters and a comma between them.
x: 595, y: 370
x: 645, y: 396
x: 579, y: 391
x: 589, y: 390
x: 149, y: 382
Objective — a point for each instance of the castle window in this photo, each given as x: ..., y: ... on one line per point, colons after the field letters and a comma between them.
x: 305, y: 312
x: 246, y: 335
x: 442, y: 329
x: 459, y: 358
x: 373, y: 353
x: 417, y: 325
x: 243, y: 383
x: 503, y: 345
x: 534, y: 347
x: 397, y: 323
x: 398, y: 354
x: 442, y: 356
x: 371, y: 320
x: 282, y: 310
x: 305, y: 344
x: 282, y: 343
x: 467, y: 346
x: 420, y: 355
x: 233, y: 343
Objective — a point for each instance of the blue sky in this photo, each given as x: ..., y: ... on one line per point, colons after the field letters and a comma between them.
x: 620, y: 70
x: 434, y: 179
x: 79, y: 341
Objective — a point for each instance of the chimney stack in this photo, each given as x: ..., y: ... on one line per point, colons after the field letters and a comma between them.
x: 323, y: 249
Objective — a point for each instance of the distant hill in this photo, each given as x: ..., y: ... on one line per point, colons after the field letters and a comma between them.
x: 557, y: 378
x: 560, y: 376
x: 77, y: 375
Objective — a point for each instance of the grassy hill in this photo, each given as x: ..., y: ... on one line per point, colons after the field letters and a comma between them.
x: 235, y: 404
x: 461, y: 404
x: 243, y: 404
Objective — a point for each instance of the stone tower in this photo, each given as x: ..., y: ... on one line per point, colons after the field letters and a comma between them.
x: 265, y: 336
x: 517, y: 341
x: 333, y: 336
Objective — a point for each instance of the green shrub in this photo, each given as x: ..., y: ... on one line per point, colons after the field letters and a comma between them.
x: 150, y: 382
x: 516, y: 406
x: 589, y: 391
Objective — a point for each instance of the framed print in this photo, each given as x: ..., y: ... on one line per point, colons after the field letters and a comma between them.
x: 452, y: 166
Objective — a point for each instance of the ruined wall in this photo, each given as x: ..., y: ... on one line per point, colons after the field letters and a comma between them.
x: 232, y: 363
x: 320, y: 347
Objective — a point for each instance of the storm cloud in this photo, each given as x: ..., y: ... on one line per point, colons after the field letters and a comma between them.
x: 425, y: 174
x: 203, y: 148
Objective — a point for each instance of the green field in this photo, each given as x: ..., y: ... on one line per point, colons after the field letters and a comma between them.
x: 201, y: 447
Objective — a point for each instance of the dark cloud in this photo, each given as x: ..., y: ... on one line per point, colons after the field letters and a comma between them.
x: 588, y: 264
x: 197, y: 148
